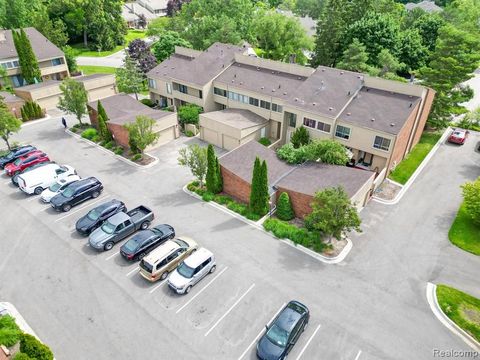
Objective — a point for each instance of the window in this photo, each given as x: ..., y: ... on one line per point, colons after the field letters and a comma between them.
x: 342, y: 132
x: 200, y: 94
x: 56, y: 62
x: 182, y: 88
x: 11, y: 64
x: 265, y: 104
x: 309, y: 122
x: 277, y: 108
x: 169, y: 88
x: 253, y: 101
x: 323, y: 127
x: 381, y: 143
x: 221, y: 92
x: 152, y: 84
x: 291, y: 119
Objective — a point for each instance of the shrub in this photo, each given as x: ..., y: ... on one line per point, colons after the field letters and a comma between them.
x: 300, y: 137
x: 31, y: 110
x: 208, y: 196
x: 471, y: 196
x: 195, y: 183
x: 96, y: 138
x: 21, y: 356
x: 109, y: 145
x: 147, y: 102
x: 189, y: 133
x: 222, y: 199
x: 136, y: 157
x: 189, y: 114
x: 118, y: 150
x: 284, y: 207
x: 34, y: 348
x: 10, y: 333
x: 291, y: 155
x: 89, y: 133
x: 327, y: 151
x: 265, y: 141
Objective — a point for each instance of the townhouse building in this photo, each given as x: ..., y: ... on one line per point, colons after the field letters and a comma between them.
x: 378, y: 120
x: 51, y: 60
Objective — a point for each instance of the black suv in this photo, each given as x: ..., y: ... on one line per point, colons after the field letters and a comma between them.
x: 95, y: 217
x: 77, y: 192
x: 15, y: 154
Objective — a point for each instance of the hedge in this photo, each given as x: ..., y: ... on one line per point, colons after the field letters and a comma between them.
x: 89, y: 133
x: 34, y: 348
x: 10, y: 333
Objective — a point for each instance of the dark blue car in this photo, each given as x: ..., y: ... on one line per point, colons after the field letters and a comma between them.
x: 15, y: 154
x: 283, y: 332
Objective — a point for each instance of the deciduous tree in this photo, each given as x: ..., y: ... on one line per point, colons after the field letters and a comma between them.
x: 165, y: 46
x: 129, y: 77
x: 142, y: 132
x: 9, y: 124
x: 471, y: 198
x: 195, y: 158
x: 73, y: 99
x: 143, y: 58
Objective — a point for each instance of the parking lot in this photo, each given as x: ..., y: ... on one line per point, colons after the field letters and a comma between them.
x: 89, y: 303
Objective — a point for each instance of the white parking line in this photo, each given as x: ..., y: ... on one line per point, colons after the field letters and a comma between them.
x: 358, y: 355
x: 80, y: 209
x: 7, y: 182
x: 231, y: 308
x: 261, y: 332
x: 112, y: 256
x: 193, y: 297
x: 156, y: 287
x: 308, y: 343
x: 131, y: 272
x: 34, y: 198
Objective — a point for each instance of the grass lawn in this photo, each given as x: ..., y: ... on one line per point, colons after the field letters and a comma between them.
x: 80, y: 50
x: 464, y: 233
x: 407, y: 167
x: 461, y: 308
x: 89, y: 69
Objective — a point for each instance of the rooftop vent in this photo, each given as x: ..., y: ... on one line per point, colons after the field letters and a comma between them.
x: 173, y: 67
x: 367, y: 89
x: 285, y: 93
x: 234, y: 75
x: 279, y: 86
x: 223, y: 65
x: 273, y: 90
x: 299, y: 78
x: 348, y: 114
x: 323, y: 70
x: 392, y: 124
x: 359, y: 77
x: 263, y: 87
x: 349, y: 93
x: 330, y: 108
x: 341, y: 72
x: 273, y: 72
x: 296, y: 99
x: 258, y: 69
x: 233, y: 81
x: 411, y: 104
x: 314, y: 104
x: 241, y: 82
x: 372, y: 119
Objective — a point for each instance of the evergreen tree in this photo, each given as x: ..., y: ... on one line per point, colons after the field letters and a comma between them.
x: 211, y: 179
x: 255, y: 185
x: 28, y: 61
x: 105, y: 133
x: 219, y: 187
x: 300, y: 137
x: 355, y: 57
x: 264, y: 197
x: 284, y: 207
x: 15, y: 14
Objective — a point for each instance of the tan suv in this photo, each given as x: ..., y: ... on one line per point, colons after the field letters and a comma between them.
x: 166, y: 258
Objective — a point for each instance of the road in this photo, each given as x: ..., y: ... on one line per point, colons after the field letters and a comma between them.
x: 371, y: 306
x: 114, y: 60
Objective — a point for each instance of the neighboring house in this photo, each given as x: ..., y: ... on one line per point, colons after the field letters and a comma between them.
x: 301, y: 182
x: 123, y: 109
x: 158, y: 7
x: 378, y: 120
x: 309, y: 24
x: 51, y: 60
x: 14, y: 103
x: 132, y: 11
x: 47, y: 94
x: 427, y: 5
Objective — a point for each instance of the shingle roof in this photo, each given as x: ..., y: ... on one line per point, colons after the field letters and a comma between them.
x: 40, y: 85
x: 261, y: 80
x: 428, y: 6
x: 10, y: 98
x: 308, y: 24
x: 122, y: 109
x: 237, y: 118
x: 385, y: 107
x: 198, y: 70
x: 91, y: 77
x: 42, y: 47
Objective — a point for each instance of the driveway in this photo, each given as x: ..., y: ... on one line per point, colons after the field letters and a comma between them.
x: 371, y: 306
x: 114, y: 60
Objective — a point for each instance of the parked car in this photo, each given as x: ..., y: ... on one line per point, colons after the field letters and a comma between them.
x: 76, y: 193
x: 58, y: 187
x: 190, y: 271
x: 95, y: 217
x: 458, y: 136
x: 145, y: 241
x: 33, y: 167
x: 283, y: 332
x: 26, y: 161
x: 15, y: 154
x: 164, y: 259
x: 37, y: 180
x: 120, y: 226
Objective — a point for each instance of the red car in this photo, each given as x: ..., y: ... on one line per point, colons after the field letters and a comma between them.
x: 458, y: 136
x: 26, y: 161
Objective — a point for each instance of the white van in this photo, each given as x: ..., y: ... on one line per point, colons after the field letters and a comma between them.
x: 35, y: 181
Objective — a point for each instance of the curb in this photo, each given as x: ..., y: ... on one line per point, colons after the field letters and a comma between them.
x: 431, y: 293
x: 36, y: 121
x: 415, y: 174
x: 327, y: 260
x: 22, y: 324
x: 154, y: 162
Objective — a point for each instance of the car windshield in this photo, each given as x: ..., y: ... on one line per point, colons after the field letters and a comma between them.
x: 457, y: 133
x: 182, y: 243
x: 277, y: 335
x: 146, y: 266
x: 131, y: 245
x: 185, y: 270
x: 55, y: 187
x: 93, y: 214
x: 18, y: 161
x: 10, y: 155
x: 108, y: 228
x: 68, y: 192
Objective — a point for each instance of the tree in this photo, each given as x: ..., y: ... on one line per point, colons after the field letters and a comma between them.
x: 142, y: 132
x: 259, y: 188
x: 73, y: 99
x: 195, y: 158
x: 165, y: 46
x: 140, y: 53
x: 355, y: 58
x: 300, y: 137
x: 53, y: 30
x: 471, y: 198
x: 26, y: 56
x: 411, y: 50
x: 454, y: 60
x: 70, y: 58
x: 189, y: 114
x: 219, y: 184
x: 173, y: 6
x: 284, y: 207
x: 312, y: 8
x: 129, y: 78
x: 388, y: 63
x: 428, y: 26
x: 15, y: 14
x: 332, y: 214
x: 9, y: 124
x: 327, y: 151
x: 142, y: 21
x: 104, y: 132
x: 211, y: 180
x: 281, y: 37
x: 158, y: 26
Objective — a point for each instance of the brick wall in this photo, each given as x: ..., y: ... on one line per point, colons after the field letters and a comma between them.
x: 92, y: 113
x: 120, y: 134
x: 300, y: 202
x: 235, y: 186
x: 424, y: 116
x: 15, y: 107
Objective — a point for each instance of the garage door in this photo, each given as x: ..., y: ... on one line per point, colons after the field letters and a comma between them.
x: 100, y: 93
x: 49, y: 102
x: 210, y: 136
x: 164, y: 136
x: 229, y: 143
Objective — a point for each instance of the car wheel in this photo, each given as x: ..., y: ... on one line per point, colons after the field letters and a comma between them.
x: 108, y: 246
x: 171, y: 236
x: 66, y: 207
x: 38, y: 190
x: 212, y: 270
x: 95, y: 194
x: 187, y: 290
x: 144, y: 225
x: 141, y: 256
x: 164, y: 275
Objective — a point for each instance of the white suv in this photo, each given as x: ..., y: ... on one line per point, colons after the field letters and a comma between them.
x: 190, y: 271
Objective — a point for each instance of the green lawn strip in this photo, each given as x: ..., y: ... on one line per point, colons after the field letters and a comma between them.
x: 81, y: 50
x: 464, y: 233
x: 461, y: 308
x: 407, y: 167
x: 89, y: 69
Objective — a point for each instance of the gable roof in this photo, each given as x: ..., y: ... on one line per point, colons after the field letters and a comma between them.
x: 237, y: 118
x: 427, y: 5
x: 42, y: 47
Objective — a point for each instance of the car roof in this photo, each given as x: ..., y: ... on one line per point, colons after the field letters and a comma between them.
x: 82, y: 182
x: 69, y: 179
x: 288, y: 318
x: 160, y: 252
x: 107, y: 204
x: 142, y: 235
x: 198, y: 257
x: 118, y: 218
